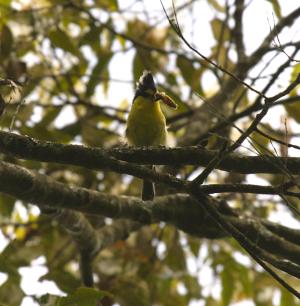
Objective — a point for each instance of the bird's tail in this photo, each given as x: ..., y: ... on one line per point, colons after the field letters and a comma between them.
x: 148, y: 191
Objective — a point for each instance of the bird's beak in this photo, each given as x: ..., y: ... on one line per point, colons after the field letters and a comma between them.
x: 165, y: 99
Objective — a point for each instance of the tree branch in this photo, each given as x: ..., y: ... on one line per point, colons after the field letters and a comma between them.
x: 88, y: 240
x: 265, y: 45
x: 237, y: 30
x: 223, y: 152
x: 28, y: 148
x: 43, y: 191
x: 179, y: 209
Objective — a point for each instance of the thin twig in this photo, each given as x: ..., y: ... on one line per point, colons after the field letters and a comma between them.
x: 175, y: 26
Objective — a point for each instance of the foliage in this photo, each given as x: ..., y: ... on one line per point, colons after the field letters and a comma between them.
x: 61, y: 56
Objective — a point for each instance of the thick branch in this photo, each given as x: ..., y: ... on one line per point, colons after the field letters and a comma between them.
x: 43, y: 191
x: 82, y: 232
x: 101, y: 159
x: 88, y: 240
x: 179, y: 210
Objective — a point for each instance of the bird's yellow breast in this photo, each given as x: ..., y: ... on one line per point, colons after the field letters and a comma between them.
x: 146, y: 124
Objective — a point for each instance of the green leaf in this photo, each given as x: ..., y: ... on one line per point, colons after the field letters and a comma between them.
x: 92, y: 38
x: 293, y: 110
x: 68, y: 132
x: 9, y: 267
x: 50, y: 114
x: 138, y: 67
x: 49, y: 300
x: 260, y: 143
x: 190, y: 74
x: 194, y: 244
x: 175, y: 258
x: 211, y: 302
x: 6, y: 41
x: 63, y: 279
x: 111, y: 5
x: 98, y: 71
x: 243, y: 274
x: 7, y: 205
x: 30, y: 86
x: 186, y: 67
x: 287, y: 299
x: 25, y: 112
x: 10, y: 293
x: 227, y: 280
x: 5, y: 11
x: 61, y: 40
x: 276, y: 7
x: 192, y: 285
x: 220, y: 29
x: 5, y: 2
x: 217, y: 6
x: 84, y: 296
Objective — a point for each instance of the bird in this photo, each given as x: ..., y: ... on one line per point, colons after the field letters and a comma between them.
x: 146, y: 123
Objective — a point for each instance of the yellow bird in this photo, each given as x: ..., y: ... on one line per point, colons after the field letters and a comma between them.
x: 146, y: 123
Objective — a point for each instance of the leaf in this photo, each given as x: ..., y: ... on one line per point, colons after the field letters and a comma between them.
x: 6, y: 41
x: 293, y: 110
x: 242, y: 273
x: 37, y: 70
x: 192, y: 285
x: 61, y: 40
x: 142, y: 32
x: 138, y: 67
x: 30, y: 86
x: 7, y: 205
x: 63, y: 279
x: 23, y: 256
x: 132, y: 291
x: 175, y: 258
x: 9, y: 267
x: 211, y: 302
x: 186, y: 67
x: 276, y: 7
x: 50, y: 114
x: 111, y: 5
x: 287, y: 299
x: 25, y: 112
x: 68, y: 132
x: 260, y: 143
x: 294, y: 75
x: 11, y: 293
x: 220, y: 29
x: 194, y: 244
x: 221, y: 55
x: 49, y: 300
x: 93, y: 135
x: 95, y: 78
x: 190, y: 74
x: 84, y: 296
x: 92, y: 38
x: 5, y: 2
x: 227, y: 280
x: 217, y: 6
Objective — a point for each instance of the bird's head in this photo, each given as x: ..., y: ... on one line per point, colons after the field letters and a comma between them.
x: 146, y: 88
